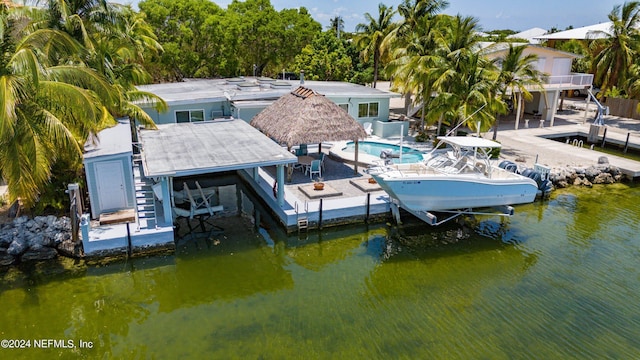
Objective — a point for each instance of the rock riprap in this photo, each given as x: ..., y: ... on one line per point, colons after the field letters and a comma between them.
x: 41, y: 238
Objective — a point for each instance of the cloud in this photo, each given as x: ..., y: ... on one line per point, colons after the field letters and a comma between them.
x: 501, y: 15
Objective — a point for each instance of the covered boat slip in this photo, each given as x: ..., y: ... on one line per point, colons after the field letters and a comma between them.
x: 195, y: 149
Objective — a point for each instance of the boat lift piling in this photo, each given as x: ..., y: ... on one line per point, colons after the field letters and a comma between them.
x: 626, y: 143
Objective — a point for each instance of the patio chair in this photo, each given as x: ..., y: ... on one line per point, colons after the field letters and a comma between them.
x: 315, y: 169
x: 322, y: 157
x: 368, y: 128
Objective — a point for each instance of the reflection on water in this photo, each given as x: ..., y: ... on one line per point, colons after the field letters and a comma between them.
x: 560, y: 279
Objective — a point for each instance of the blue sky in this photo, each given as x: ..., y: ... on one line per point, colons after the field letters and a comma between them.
x: 493, y: 14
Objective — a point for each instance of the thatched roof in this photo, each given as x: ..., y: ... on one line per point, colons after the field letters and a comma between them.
x: 306, y: 117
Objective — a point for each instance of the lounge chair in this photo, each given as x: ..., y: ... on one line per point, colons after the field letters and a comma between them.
x: 368, y: 128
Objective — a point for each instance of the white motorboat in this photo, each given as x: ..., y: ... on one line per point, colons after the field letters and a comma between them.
x: 460, y: 176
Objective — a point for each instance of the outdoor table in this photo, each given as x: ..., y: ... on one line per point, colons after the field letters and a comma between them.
x: 305, y: 161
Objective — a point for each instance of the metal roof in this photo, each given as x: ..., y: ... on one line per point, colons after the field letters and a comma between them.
x: 206, y: 147
x: 112, y: 141
x: 597, y: 31
x: 193, y: 91
x: 531, y: 35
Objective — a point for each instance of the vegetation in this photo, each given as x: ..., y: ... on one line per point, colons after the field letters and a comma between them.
x: 66, y: 72
x: 371, y: 35
x: 69, y: 68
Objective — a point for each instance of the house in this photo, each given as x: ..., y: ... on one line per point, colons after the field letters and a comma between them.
x: 197, y: 100
x: 556, y: 67
x: 531, y: 35
x: 590, y: 32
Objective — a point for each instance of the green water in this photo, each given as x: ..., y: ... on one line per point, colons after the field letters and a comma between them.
x: 559, y: 280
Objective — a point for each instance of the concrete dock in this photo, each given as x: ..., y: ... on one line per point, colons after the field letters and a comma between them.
x: 529, y: 144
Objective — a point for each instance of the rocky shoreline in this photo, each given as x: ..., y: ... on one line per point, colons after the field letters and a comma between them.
x: 602, y: 173
x: 41, y: 238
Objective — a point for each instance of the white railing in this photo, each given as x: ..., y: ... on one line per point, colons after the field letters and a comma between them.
x: 571, y: 79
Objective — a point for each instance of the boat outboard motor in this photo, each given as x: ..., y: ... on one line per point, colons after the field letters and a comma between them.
x: 386, y: 155
x: 509, y: 166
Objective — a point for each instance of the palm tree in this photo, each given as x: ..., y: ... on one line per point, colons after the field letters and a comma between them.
x: 336, y: 23
x: 414, y: 27
x: 412, y: 11
x: 371, y: 35
x: 618, y: 50
x: 416, y: 68
x: 117, y: 39
x: 47, y: 109
x: 517, y: 75
x: 466, y: 84
x: 118, y: 54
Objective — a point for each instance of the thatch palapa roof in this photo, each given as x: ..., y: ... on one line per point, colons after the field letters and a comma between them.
x: 306, y: 117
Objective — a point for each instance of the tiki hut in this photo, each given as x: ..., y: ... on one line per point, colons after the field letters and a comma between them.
x: 305, y: 117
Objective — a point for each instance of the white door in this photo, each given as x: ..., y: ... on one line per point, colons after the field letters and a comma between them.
x: 110, y: 180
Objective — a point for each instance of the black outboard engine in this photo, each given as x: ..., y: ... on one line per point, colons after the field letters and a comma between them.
x: 386, y: 155
x: 509, y: 166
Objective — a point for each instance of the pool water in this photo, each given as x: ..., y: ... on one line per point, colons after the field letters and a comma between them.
x: 409, y: 155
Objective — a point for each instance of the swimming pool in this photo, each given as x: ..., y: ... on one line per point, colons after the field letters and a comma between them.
x: 409, y: 155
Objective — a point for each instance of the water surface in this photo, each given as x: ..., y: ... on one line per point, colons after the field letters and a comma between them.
x: 558, y: 280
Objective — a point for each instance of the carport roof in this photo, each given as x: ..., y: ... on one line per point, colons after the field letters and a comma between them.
x: 207, y: 147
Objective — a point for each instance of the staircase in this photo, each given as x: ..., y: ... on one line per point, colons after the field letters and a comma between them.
x: 145, y: 200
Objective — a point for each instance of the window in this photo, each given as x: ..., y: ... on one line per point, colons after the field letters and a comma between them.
x: 368, y: 110
x: 344, y: 106
x: 184, y: 116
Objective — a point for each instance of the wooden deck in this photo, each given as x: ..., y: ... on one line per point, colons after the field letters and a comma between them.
x: 118, y: 217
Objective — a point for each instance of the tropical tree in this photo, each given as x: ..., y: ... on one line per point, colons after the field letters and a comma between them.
x: 465, y: 89
x: 336, y: 24
x: 415, y: 31
x: 412, y: 13
x: 371, y: 35
x: 416, y: 67
x: 517, y: 75
x: 119, y: 52
x: 616, y: 51
x: 50, y: 107
x: 116, y: 40
x: 325, y: 59
x: 193, y: 37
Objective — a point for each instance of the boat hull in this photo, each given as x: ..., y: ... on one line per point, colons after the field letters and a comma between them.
x: 433, y: 193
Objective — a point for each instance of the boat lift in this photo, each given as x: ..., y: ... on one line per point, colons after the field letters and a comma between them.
x: 432, y: 219
x: 602, y: 110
